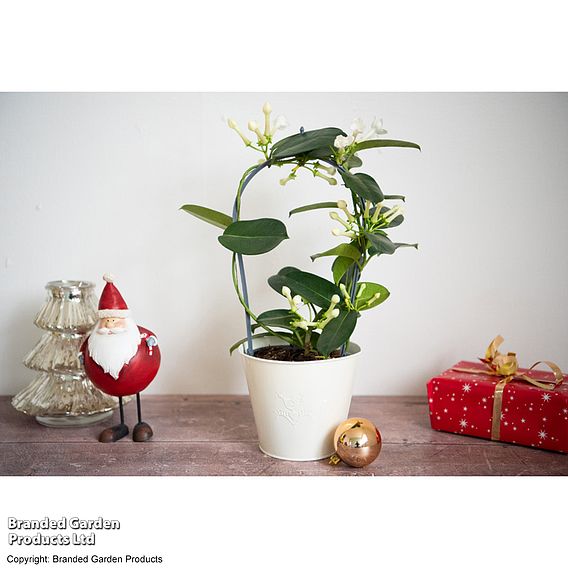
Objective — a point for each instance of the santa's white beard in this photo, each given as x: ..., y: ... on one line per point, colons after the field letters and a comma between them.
x: 113, y: 350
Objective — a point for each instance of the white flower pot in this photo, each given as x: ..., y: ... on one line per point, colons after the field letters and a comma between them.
x: 298, y: 405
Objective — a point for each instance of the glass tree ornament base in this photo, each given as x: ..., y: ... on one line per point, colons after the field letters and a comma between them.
x: 73, y: 421
x: 61, y: 400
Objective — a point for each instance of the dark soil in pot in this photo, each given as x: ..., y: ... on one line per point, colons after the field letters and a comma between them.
x: 289, y: 353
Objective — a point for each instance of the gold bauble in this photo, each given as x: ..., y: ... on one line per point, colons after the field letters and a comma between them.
x: 357, y: 441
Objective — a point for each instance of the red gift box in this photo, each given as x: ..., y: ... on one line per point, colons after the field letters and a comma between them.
x: 462, y: 403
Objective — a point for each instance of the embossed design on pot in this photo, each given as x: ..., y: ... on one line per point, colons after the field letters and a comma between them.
x: 292, y: 409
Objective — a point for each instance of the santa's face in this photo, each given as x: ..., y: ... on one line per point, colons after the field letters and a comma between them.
x: 108, y: 326
x: 113, y: 343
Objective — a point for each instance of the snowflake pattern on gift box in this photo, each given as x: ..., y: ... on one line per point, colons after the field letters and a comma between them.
x: 462, y: 403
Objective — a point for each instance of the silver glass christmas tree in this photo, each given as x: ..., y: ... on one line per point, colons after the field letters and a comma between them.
x: 62, y: 395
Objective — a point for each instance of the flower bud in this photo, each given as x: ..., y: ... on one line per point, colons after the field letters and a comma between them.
x: 342, y: 204
x: 395, y: 212
x: 233, y: 126
x: 345, y: 293
x: 340, y: 233
x: 297, y: 299
x: 266, y: 109
x: 377, y: 212
x: 330, y: 180
x: 253, y: 127
x: 285, y: 180
x: 333, y: 215
x: 329, y: 169
x: 335, y: 299
x: 286, y: 291
x: 334, y: 313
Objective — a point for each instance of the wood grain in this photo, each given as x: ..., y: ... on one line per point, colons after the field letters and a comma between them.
x: 215, y: 435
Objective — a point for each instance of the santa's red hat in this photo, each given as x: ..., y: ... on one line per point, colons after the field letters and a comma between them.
x: 112, y: 304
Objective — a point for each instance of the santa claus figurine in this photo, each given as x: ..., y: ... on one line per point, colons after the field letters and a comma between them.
x: 121, y: 359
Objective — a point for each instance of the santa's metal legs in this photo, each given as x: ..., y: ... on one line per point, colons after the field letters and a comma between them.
x: 115, y: 432
x: 142, y: 431
x: 138, y: 408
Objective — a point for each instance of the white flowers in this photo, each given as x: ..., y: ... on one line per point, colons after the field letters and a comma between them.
x: 253, y: 127
x: 302, y: 323
x: 358, y: 133
x: 377, y: 127
x: 348, y: 226
x: 341, y: 142
x: 279, y: 124
x: 329, y: 179
x: 357, y: 127
x: 391, y: 215
x: 270, y: 128
x: 233, y: 126
x: 267, y: 110
x: 331, y: 313
x: 285, y: 180
x: 339, y: 233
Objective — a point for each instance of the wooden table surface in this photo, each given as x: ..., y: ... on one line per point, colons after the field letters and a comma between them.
x: 215, y: 435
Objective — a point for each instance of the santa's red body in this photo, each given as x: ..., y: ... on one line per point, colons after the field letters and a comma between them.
x: 134, y: 377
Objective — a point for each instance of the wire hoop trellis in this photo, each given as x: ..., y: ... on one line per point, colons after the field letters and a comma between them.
x: 356, y: 273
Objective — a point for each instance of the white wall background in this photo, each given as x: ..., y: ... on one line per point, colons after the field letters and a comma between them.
x: 92, y: 183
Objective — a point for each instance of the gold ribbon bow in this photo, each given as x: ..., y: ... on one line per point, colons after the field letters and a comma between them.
x: 506, y: 366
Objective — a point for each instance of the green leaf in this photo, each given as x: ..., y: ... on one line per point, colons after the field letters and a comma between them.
x: 381, y: 244
x: 314, y: 289
x: 396, y: 222
x: 346, y: 250
x: 363, y: 185
x: 310, y: 141
x: 406, y: 245
x: 321, y: 205
x: 288, y: 270
x: 314, y: 338
x: 253, y: 237
x: 337, y: 331
x: 353, y: 162
x: 365, y: 145
x: 276, y: 318
x: 339, y: 267
x: 286, y: 336
x: 366, y: 299
x: 208, y: 215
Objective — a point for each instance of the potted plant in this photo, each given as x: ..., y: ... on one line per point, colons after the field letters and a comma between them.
x: 298, y: 358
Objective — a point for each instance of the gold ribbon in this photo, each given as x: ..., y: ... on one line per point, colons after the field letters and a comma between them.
x: 506, y: 366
